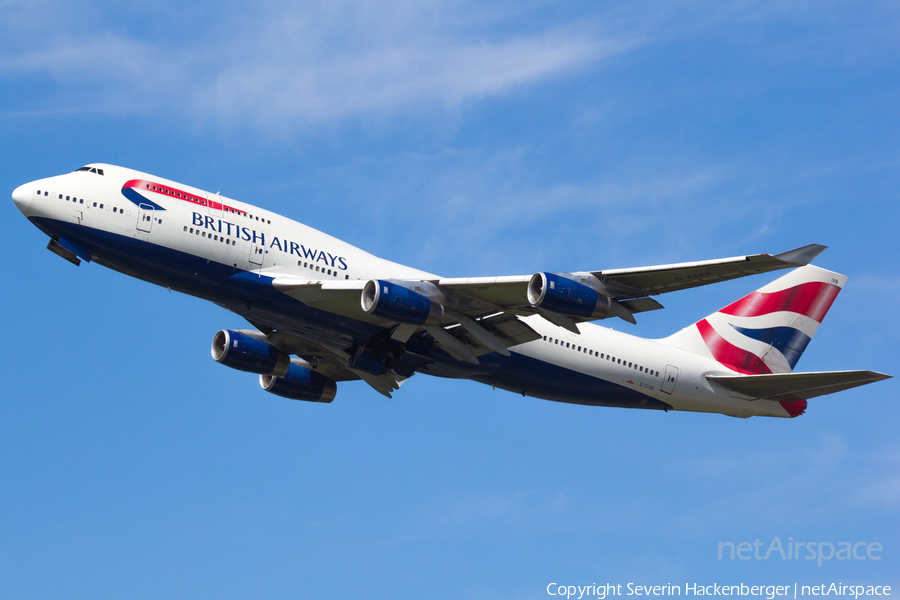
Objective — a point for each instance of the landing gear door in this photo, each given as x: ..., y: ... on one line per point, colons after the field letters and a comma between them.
x: 671, y: 378
x: 257, y: 254
x: 145, y: 218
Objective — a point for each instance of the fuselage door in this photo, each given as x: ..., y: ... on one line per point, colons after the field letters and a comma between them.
x: 145, y: 218
x: 214, y: 204
x: 671, y: 378
x: 257, y: 254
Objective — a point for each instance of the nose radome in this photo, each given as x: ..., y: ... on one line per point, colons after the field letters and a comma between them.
x: 22, y: 196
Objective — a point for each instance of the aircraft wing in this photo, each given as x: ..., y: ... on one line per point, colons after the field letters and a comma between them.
x: 629, y: 289
x: 793, y: 387
x: 482, y: 314
x: 625, y: 284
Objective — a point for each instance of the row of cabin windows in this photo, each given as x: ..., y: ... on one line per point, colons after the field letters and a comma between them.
x: 184, y: 196
x: 212, y: 237
x: 319, y: 269
x: 602, y: 356
x: 115, y: 209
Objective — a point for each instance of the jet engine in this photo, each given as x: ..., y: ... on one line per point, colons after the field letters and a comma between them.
x: 245, y: 353
x: 300, y: 383
x: 399, y: 304
x: 560, y: 294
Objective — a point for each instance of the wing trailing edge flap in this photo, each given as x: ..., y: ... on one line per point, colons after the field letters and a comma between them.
x: 385, y: 384
x: 330, y: 361
x: 493, y: 333
x: 795, y: 386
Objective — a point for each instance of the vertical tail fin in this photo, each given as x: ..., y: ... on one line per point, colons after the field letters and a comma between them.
x: 768, y: 330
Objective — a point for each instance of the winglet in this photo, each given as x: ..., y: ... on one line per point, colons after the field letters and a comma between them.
x: 802, y: 256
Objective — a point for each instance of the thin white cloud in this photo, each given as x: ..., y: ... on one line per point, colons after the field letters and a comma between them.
x: 282, y: 65
x: 385, y: 80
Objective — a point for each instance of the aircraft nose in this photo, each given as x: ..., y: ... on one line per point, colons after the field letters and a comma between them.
x: 22, y: 196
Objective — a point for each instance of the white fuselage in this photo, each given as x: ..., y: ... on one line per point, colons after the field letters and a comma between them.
x: 209, y: 229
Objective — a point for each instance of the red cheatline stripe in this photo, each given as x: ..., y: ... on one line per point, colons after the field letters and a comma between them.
x: 178, y: 194
x: 730, y: 355
x: 812, y: 299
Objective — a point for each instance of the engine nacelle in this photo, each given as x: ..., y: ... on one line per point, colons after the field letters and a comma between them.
x: 300, y: 383
x: 397, y: 303
x: 559, y: 294
x: 244, y: 353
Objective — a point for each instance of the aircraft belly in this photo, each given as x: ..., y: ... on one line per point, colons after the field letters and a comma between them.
x: 224, y: 285
x: 533, y: 377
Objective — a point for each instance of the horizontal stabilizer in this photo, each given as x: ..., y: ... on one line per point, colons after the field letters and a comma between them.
x: 793, y: 387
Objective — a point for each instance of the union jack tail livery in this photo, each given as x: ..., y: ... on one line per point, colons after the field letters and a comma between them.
x: 766, y: 331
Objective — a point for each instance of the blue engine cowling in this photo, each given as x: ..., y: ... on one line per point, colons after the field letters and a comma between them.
x: 559, y: 294
x: 245, y: 353
x: 300, y: 383
x: 397, y: 303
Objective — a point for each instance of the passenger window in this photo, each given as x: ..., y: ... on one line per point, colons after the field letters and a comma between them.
x: 115, y: 210
x: 95, y: 205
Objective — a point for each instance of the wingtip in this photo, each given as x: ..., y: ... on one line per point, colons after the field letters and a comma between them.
x: 803, y: 255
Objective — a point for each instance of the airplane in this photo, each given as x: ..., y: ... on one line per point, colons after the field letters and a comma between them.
x: 324, y: 311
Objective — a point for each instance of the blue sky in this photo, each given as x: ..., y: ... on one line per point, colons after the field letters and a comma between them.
x: 464, y: 140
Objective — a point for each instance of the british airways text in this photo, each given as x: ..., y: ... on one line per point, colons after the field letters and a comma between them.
x: 251, y: 235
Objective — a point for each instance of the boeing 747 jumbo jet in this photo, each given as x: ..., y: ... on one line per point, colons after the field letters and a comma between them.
x: 324, y: 311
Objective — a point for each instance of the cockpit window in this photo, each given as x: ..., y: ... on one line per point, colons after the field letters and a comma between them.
x: 91, y: 170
